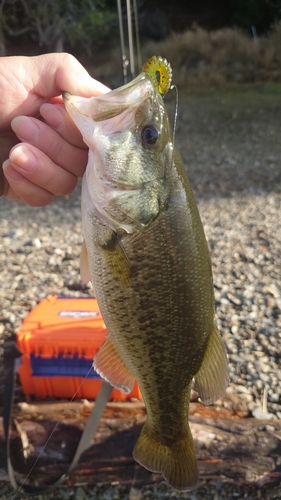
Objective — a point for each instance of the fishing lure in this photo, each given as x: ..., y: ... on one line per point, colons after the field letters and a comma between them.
x: 160, y: 72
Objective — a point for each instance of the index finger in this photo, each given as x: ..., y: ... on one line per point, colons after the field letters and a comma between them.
x: 57, y: 117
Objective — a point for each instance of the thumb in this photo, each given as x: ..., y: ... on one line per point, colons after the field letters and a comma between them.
x: 61, y: 72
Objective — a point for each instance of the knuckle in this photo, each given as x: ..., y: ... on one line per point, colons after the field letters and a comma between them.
x: 41, y: 202
x: 56, y: 149
x: 68, y: 187
x: 67, y: 58
x: 69, y: 61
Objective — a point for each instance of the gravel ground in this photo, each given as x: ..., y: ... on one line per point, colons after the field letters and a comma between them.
x: 231, y: 146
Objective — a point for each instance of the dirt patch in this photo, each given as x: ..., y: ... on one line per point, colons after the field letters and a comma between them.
x: 230, y: 141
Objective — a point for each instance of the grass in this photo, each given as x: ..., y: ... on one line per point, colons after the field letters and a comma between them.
x: 204, y: 60
x: 221, y: 58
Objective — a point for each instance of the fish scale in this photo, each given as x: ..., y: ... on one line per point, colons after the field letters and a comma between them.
x: 146, y: 254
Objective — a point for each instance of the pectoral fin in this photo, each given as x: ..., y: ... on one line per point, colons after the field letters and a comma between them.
x: 109, y: 365
x: 84, y: 264
x: 211, y: 379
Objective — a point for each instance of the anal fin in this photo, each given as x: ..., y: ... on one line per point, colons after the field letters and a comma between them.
x: 212, y: 378
x: 110, y: 366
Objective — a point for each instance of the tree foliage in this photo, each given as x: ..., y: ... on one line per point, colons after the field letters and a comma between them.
x: 56, y: 24
x: 258, y: 13
x: 93, y: 27
x: 81, y: 26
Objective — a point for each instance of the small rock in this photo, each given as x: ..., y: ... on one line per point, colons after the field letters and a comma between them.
x: 58, y: 251
x: 12, y: 318
x: 135, y: 494
x: 241, y: 389
x: 80, y: 494
x: 260, y: 415
x: 236, y: 359
x: 36, y: 243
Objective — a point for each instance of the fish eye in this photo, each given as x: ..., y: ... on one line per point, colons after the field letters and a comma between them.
x: 149, y: 134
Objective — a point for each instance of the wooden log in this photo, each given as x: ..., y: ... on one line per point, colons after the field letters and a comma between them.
x: 227, y: 441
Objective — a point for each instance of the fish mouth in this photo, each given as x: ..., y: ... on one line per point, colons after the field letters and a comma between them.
x: 105, y: 115
x: 81, y: 105
x: 113, y: 103
x: 111, y: 116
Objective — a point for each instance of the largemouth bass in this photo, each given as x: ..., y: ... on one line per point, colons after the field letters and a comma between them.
x: 146, y: 255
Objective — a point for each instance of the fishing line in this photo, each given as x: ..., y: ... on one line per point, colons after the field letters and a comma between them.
x: 137, y: 31
x: 130, y: 39
x: 50, y: 436
x: 176, y: 113
x: 125, y: 61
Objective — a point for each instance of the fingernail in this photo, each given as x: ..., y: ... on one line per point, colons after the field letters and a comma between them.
x: 5, y: 164
x: 25, y: 128
x: 52, y: 114
x: 85, y: 83
x: 97, y: 88
x: 23, y: 159
x: 11, y: 172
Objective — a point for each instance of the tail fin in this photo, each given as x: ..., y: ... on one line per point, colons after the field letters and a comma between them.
x: 177, y: 462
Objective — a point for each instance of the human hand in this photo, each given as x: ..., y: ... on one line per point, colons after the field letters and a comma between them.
x: 52, y: 154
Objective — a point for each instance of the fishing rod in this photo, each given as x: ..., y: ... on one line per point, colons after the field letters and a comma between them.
x: 133, y: 38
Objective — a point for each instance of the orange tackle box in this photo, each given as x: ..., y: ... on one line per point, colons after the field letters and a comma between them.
x: 59, y: 339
